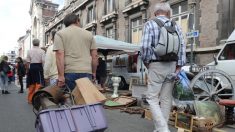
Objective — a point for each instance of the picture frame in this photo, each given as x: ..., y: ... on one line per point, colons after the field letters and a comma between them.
x: 184, y: 122
x: 134, y: 80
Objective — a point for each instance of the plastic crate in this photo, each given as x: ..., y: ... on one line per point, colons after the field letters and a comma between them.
x: 86, y: 118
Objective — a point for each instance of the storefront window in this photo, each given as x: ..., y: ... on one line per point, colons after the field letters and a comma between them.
x: 132, y: 63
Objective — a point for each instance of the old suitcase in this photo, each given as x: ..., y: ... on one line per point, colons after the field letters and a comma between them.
x: 86, y: 118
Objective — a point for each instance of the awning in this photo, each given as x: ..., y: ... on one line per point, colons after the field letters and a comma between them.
x: 109, y: 46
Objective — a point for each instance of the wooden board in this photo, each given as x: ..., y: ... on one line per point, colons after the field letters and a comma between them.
x: 184, y: 122
x: 124, y: 100
x: 87, y: 93
x: 148, y: 114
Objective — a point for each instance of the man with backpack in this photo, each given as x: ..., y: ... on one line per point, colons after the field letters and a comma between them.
x: 163, y: 53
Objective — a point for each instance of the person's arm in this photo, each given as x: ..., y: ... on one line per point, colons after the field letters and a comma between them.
x: 60, y: 67
x: 94, y: 62
x: 28, y: 59
x: 182, y: 53
x: 43, y: 57
x: 48, y: 63
x: 58, y: 47
x: 94, y: 57
x: 146, y: 48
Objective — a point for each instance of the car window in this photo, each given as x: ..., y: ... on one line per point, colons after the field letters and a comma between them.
x: 228, y: 52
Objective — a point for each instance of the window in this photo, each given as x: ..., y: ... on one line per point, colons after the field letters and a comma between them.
x: 136, y: 30
x: 132, y: 63
x: 228, y: 53
x: 180, y: 15
x: 90, y: 14
x: 110, y: 33
x: 109, y: 6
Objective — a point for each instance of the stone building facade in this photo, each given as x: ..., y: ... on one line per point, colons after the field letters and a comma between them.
x: 124, y: 20
x: 41, y: 11
x: 24, y: 44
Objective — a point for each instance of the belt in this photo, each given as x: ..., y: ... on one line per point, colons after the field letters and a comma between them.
x: 155, y: 61
x: 159, y: 61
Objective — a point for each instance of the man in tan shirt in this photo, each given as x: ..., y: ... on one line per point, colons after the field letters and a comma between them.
x: 76, y: 53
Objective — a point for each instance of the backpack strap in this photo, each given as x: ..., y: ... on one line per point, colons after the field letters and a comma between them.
x: 159, y: 22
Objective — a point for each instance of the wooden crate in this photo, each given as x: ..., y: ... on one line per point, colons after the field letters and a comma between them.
x: 199, y: 124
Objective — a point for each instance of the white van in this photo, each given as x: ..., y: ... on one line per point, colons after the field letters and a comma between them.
x: 217, y: 79
x: 225, y: 60
x: 127, y: 67
x: 126, y: 63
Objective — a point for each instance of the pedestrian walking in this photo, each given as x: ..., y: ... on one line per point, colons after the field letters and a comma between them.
x: 50, y: 68
x: 35, y: 61
x: 21, y: 72
x: 4, y: 70
x: 164, y: 57
x: 76, y: 53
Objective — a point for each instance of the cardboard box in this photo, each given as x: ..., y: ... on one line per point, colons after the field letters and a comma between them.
x: 86, y: 92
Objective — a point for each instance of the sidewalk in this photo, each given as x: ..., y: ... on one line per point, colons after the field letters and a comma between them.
x: 16, y: 115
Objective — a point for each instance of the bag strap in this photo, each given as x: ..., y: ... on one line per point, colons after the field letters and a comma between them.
x: 160, y: 25
x: 159, y: 22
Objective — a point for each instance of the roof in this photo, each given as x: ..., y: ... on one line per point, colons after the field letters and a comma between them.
x: 112, y: 44
x: 231, y: 37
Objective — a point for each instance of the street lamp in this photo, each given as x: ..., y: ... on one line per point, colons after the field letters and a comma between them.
x: 192, y: 5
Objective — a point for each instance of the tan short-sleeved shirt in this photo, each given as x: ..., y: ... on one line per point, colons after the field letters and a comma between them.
x: 36, y: 55
x: 76, y: 44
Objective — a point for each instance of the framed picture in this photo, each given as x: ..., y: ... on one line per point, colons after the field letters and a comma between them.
x: 134, y: 80
x: 184, y: 122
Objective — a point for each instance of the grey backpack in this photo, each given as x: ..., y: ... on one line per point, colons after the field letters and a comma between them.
x: 168, y: 44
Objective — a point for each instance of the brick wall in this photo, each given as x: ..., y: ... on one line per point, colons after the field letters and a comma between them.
x: 208, y: 23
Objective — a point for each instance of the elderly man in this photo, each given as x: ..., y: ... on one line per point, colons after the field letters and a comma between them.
x: 35, y: 61
x: 161, y: 68
x: 76, y: 53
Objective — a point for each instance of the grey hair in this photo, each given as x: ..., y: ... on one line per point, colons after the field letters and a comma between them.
x: 36, y: 42
x: 162, y: 7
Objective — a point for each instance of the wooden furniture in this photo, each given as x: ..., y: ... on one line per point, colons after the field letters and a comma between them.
x: 229, y: 110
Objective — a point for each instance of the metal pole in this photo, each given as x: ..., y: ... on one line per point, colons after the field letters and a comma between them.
x: 193, y: 43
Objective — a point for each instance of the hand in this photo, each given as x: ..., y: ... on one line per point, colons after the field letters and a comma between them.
x: 178, y: 69
x: 61, y: 81
x: 146, y: 65
x: 93, y: 77
x: 47, y: 81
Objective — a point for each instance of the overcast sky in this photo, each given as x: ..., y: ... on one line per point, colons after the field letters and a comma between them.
x: 14, y: 21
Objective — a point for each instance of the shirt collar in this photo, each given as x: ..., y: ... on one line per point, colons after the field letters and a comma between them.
x: 162, y: 17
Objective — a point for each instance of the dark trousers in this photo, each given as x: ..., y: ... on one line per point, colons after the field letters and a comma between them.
x: 21, y: 83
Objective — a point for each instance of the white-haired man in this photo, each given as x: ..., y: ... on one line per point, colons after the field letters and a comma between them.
x: 160, y: 81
